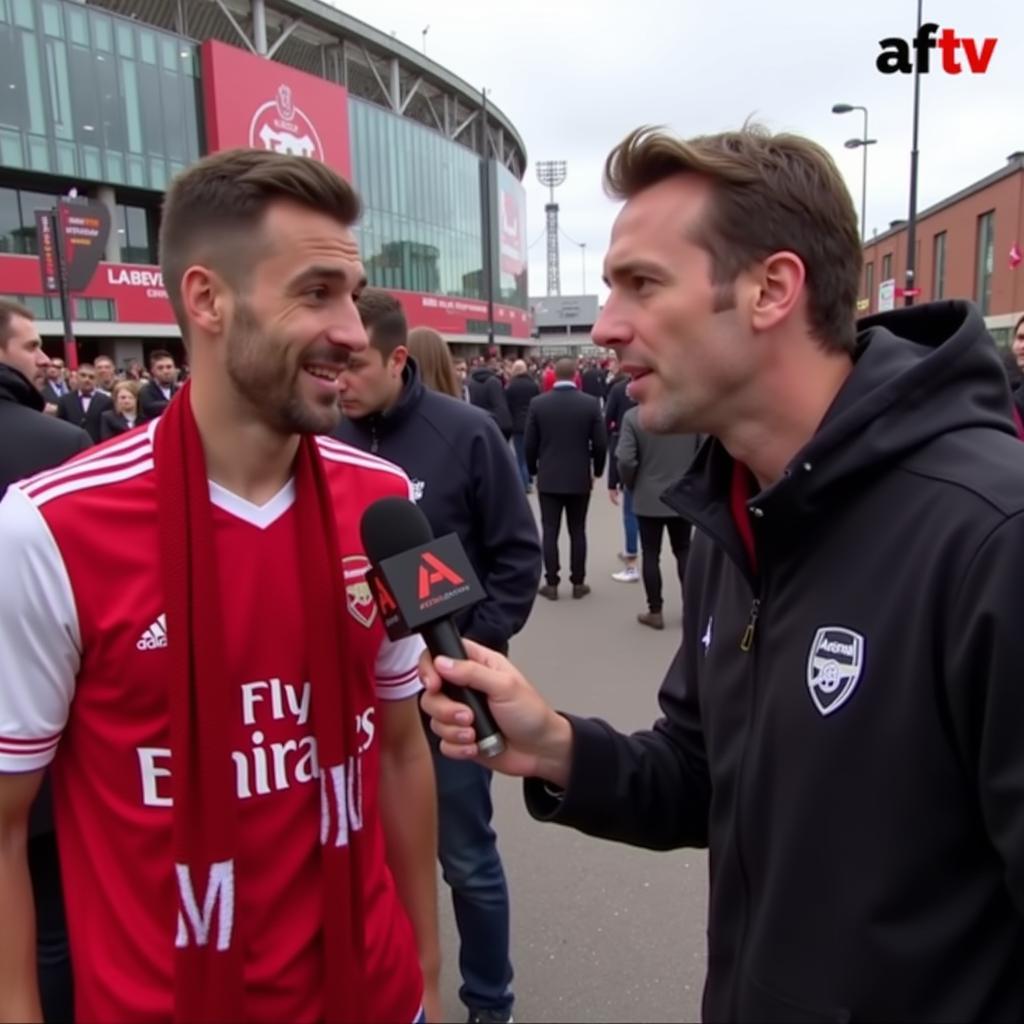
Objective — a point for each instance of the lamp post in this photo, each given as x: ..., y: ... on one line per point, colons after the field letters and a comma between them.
x: 863, y: 143
x: 424, y: 34
x: 583, y: 262
x: 908, y: 294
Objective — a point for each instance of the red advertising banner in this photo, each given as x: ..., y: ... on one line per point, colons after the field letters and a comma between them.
x: 140, y: 298
x: 252, y: 101
x: 47, y: 252
x: 511, y: 227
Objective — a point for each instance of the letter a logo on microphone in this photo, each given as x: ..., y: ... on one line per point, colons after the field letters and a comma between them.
x: 433, y: 571
x: 384, y: 599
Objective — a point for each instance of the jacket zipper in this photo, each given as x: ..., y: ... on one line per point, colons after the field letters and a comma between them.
x: 373, y: 439
x: 746, y: 646
x: 747, y: 642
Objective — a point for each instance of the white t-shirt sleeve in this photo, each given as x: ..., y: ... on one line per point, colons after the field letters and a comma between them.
x: 397, y: 670
x: 40, y: 643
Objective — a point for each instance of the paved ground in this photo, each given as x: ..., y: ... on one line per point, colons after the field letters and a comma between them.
x: 600, y: 932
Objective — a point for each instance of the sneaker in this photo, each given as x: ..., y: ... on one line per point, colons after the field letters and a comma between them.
x: 490, y: 1017
x: 653, y: 619
x: 580, y: 590
x: 631, y: 574
x: 549, y: 591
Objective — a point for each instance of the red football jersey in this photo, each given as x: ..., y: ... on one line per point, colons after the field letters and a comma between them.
x: 82, y: 631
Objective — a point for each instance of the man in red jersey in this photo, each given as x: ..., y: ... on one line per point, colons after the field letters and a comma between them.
x: 244, y: 795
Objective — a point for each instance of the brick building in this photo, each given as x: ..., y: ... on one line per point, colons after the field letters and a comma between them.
x: 963, y: 249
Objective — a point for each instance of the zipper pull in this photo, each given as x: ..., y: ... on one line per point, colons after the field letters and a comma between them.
x: 748, y: 634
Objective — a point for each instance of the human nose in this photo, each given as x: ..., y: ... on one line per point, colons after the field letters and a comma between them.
x: 347, y: 330
x: 611, y: 328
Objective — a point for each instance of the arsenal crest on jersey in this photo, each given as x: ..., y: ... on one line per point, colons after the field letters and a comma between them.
x: 358, y: 596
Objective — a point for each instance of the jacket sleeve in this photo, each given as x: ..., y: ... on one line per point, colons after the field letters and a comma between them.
x: 985, y: 652
x: 531, y: 440
x: 650, y: 789
x: 511, y: 572
x: 627, y: 454
x: 62, y: 409
x: 500, y: 404
x: 598, y: 440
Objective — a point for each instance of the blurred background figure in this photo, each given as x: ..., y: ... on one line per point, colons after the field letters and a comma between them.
x: 649, y: 465
x: 615, y: 408
x: 521, y: 391
x: 86, y: 406
x: 434, y: 359
x: 487, y: 393
x: 462, y: 372
x: 1018, y: 388
x: 55, y: 387
x: 125, y: 414
x: 154, y: 396
x: 106, y: 375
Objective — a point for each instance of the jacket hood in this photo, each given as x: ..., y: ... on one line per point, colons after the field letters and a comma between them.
x: 412, y: 392
x: 918, y: 373
x: 482, y: 374
x: 16, y: 387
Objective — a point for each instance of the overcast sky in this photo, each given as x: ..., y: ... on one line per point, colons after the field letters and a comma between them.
x: 575, y: 77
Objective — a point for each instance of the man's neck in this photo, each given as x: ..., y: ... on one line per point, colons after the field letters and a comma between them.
x: 242, y: 454
x: 790, y: 405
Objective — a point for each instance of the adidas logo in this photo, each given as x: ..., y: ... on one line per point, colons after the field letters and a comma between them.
x: 155, y: 636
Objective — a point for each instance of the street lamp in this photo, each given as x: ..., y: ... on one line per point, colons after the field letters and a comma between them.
x: 863, y: 142
x: 424, y: 34
x: 911, y: 286
x: 583, y: 261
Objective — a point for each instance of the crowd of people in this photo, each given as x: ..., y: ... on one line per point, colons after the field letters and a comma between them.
x: 235, y: 771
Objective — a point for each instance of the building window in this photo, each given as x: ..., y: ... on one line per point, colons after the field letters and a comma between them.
x: 869, y: 284
x: 939, y: 266
x: 134, y: 235
x: 985, y: 261
x: 887, y: 267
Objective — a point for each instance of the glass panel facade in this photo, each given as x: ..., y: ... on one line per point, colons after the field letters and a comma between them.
x: 887, y: 267
x: 138, y: 242
x: 73, y: 85
x: 985, y: 261
x: 422, y: 227
x: 939, y: 266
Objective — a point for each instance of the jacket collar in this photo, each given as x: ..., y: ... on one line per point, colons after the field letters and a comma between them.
x: 17, y: 388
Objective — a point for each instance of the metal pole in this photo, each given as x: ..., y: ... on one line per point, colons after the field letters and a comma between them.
x: 583, y: 260
x: 912, y: 217
x: 488, y: 239
x: 70, y: 346
x: 259, y: 27
x: 864, y: 185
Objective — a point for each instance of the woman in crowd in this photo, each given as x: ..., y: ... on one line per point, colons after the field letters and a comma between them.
x: 431, y: 353
x: 125, y: 414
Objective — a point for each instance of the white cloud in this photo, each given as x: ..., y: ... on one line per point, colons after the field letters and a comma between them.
x: 574, y: 78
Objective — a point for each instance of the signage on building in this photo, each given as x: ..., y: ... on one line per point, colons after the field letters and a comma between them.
x: 863, y: 305
x: 279, y: 107
x: 886, y: 296
x: 47, y: 252
x: 565, y: 310
x: 84, y: 227
x: 511, y: 226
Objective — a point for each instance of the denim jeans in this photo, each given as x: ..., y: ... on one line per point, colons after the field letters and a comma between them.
x: 472, y: 868
x: 629, y: 523
x: 519, y: 444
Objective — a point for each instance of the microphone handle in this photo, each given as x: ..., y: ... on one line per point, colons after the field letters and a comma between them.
x: 442, y: 639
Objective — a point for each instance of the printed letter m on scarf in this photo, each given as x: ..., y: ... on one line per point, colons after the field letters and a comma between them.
x: 219, y: 895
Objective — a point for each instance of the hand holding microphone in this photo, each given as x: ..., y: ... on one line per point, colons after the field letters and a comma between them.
x: 419, y: 583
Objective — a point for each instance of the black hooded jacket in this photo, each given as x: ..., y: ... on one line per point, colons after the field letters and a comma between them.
x: 486, y: 392
x: 30, y: 441
x: 466, y: 483
x: 844, y: 723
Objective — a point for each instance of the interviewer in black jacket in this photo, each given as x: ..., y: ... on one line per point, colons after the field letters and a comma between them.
x: 466, y: 482
x: 30, y: 442
x: 842, y: 723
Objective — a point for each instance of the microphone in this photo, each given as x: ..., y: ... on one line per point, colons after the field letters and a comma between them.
x: 419, y: 583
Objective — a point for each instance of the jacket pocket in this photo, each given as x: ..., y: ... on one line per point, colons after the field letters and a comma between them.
x: 763, y: 1005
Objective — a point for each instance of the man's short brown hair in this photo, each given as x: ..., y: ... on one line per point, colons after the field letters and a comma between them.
x: 383, y: 319
x: 771, y: 193
x: 213, y: 212
x: 157, y: 355
x: 8, y: 310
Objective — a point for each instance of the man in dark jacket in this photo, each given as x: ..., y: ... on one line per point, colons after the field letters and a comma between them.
x: 466, y: 482
x: 842, y: 724
x: 521, y: 391
x: 157, y: 393
x: 487, y: 393
x: 86, y: 406
x: 566, y: 447
x: 593, y: 381
x: 615, y: 409
x: 29, y: 443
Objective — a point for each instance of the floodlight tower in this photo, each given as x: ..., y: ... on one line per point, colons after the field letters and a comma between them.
x: 551, y: 174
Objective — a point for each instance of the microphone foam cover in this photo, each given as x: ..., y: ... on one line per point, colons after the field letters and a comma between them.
x: 391, y: 526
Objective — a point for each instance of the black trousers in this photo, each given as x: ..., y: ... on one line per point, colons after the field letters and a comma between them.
x: 575, y: 506
x: 52, y: 955
x: 650, y: 548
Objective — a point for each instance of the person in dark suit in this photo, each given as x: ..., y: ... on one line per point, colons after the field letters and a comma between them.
x: 86, y: 406
x: 566, y: 447
x: 521, y: 391
x: 33, y: 442
x: 55, y: 386
x: 593, y: 381
x: 125, y: 414
x: 155, y: 395
x: 486, y: 392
